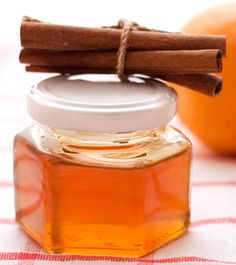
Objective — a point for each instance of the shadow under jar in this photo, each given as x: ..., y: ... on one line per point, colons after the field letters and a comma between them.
x: 102, y: 172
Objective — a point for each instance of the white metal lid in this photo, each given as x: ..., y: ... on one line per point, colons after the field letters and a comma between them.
x: 101, y: 103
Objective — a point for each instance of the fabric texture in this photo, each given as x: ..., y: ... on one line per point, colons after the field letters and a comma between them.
x: 212, y: 235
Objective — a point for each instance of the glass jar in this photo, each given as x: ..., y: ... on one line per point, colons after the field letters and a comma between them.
x: 102, y: 172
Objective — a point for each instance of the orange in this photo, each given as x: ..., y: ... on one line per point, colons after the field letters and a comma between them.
x: 213, y: 120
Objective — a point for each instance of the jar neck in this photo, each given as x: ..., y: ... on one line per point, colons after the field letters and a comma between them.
x: 89, y: 140
x: 117, y: 150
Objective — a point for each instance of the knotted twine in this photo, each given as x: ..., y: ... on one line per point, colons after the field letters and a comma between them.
x: 126, y: 26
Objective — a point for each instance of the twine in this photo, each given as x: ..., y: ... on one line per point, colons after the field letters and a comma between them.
x: 30, y: 19
x: 126, y: 26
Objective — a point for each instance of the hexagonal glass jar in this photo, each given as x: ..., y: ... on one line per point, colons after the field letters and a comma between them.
x: 87, y: 183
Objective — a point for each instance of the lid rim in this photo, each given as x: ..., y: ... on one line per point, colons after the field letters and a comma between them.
x: 46, y: 109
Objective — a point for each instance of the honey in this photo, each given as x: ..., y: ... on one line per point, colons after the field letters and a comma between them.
x: 99, y: 193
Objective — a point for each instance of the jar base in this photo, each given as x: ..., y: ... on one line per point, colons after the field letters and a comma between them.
x: 115, y: 252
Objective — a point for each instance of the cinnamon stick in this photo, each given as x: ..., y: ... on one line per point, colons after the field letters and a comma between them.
x: 207, y: 84
x: 148, y: 62
x: 38, y: 35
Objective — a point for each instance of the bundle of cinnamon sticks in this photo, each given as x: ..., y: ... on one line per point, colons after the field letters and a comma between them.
x: 184, y: 59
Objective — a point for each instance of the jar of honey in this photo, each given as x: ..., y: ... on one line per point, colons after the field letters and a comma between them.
x: 101, y: 172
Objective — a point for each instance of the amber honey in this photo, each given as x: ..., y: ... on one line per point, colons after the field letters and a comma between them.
x: 122, y: 198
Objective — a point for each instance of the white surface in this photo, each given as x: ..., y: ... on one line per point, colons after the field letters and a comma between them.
x: 101, y: 103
